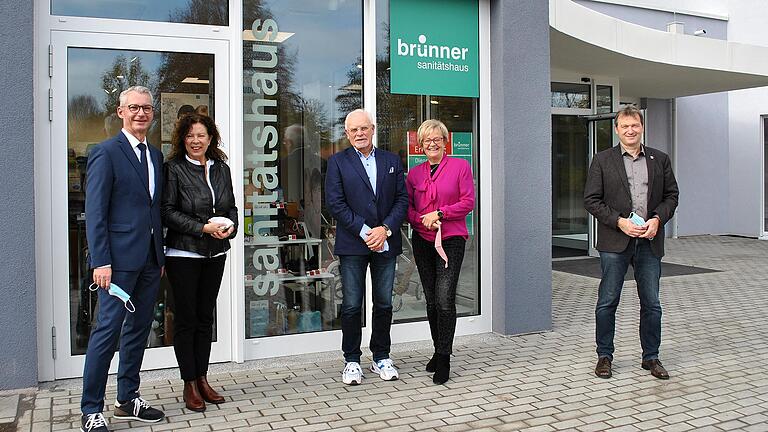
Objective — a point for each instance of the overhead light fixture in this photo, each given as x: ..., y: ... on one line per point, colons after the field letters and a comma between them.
x: 455, y: 116
x: 352, y: 87
x: 195, y: 80
x: 281, y: 36
x: 434, y: 102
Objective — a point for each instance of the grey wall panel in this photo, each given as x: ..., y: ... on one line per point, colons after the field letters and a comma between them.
x: 702, y: 158
x: 658, y: 125
x: 658, y: 20
x: 658, y: 133
x: 522, y: 166
x: 18, y: 355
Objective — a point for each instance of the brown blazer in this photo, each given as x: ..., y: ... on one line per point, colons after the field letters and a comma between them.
x: 606, y: 196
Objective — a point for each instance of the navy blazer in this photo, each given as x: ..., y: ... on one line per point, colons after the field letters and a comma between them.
x: 352, y: 201
x: 120, y: 215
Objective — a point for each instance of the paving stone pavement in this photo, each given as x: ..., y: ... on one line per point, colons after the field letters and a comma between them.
x: 714, y: 346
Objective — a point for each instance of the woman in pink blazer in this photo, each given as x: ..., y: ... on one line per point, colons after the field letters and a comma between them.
x: 441, y: 193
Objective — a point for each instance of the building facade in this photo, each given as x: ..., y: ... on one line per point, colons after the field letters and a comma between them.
x: 278, y: 78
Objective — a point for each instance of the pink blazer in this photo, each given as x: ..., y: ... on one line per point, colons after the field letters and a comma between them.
x: 451, y: 190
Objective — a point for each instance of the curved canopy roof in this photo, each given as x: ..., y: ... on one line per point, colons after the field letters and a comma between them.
x: 648, y: 62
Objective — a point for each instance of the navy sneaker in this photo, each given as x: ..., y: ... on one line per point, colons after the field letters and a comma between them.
x: 93, y: 423
x: 138, y: 409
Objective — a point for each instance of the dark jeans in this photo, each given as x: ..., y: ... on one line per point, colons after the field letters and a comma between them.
x: 352, y: 268
x: 647, y: 268
x: 114, y: 321
x: 195, y: 283
x: 439, y: 285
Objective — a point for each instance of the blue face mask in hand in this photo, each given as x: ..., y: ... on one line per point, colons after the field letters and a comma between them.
x: 637, y: 220
x: 118, y: 292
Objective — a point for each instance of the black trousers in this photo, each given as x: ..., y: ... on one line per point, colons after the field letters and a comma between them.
x: 195, y: 283
x: 439, y: 285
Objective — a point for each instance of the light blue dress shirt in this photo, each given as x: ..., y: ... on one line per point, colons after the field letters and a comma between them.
x: 369, y: 164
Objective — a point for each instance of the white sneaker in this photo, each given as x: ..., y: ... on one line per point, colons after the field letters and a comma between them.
x: 353, y: 374
x: 385, y: 369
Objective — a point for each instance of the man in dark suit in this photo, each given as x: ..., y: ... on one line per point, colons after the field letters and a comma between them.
x: 122, y: 209
x: 365, y: 193
x: 630, y: 178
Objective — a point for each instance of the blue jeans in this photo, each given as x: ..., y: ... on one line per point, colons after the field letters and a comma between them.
x: 647, y: 268
x: 352, y: 269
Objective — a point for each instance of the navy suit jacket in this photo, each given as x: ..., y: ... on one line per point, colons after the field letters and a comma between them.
x: 120, y: 215
x: 352, y: 201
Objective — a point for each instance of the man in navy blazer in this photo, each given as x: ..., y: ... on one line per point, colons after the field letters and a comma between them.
x: 125, y: 240
x: 365, y: 193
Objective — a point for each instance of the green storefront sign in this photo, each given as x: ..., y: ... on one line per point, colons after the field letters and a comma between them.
x: 434, y: 47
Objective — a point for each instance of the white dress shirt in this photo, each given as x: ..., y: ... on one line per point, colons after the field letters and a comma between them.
x: 134, y: 143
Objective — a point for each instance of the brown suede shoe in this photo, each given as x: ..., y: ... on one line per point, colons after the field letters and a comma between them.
x: 192, y: 398
x: 603, y: 368
x: 207, y: 392
x: 656, y: 368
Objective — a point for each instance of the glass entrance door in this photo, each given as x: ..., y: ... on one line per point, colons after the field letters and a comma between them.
x: 570, y: 143
x: 89, y: 72
x: 582, y: 116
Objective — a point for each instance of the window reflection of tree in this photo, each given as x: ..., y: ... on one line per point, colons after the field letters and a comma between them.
x: 122, y: 74
x: 213, y: 12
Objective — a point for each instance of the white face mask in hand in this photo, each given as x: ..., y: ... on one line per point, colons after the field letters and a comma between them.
x: 118, y: 292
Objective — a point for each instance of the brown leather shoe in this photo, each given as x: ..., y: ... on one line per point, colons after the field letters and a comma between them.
x: 656, y: 368
x: 603, y: 368
x: 192, y: 397
x: 207, y: 392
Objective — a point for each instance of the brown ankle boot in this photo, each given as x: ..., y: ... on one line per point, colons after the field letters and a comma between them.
x: 207, y: 392
x: 192, y: 397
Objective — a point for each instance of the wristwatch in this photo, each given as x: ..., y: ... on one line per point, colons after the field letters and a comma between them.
x: 389, y: 231
x: 439, y: 213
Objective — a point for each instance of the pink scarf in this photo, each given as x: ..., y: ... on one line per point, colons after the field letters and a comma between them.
x: 431, y: 192
x: 439, y: 245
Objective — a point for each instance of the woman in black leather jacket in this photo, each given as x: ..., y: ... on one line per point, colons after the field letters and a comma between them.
x: 199, y: 211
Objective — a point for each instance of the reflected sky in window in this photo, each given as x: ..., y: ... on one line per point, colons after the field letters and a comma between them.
x: 187, y: 11
x: 87, y: 67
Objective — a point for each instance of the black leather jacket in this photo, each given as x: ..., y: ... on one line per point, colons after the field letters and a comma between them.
x: 187, y: 205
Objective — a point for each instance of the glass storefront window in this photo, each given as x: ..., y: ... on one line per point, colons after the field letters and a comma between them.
x: 570, y: 95
x: 95, y: 78
x: 398, y: 117
x: 604, y: 99
x: 302, y: 73
x: 213, y: 12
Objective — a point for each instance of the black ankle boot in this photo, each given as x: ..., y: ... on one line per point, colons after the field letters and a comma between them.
x: 442, y: 368
x: 432, y: 363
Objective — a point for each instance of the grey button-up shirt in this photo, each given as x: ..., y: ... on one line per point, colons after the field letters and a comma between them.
x: 637, y: 176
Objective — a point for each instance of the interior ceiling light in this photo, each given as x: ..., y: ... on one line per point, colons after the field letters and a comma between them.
x: 434, y: 102
x: 281, y: 36
x: 195, y: 80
